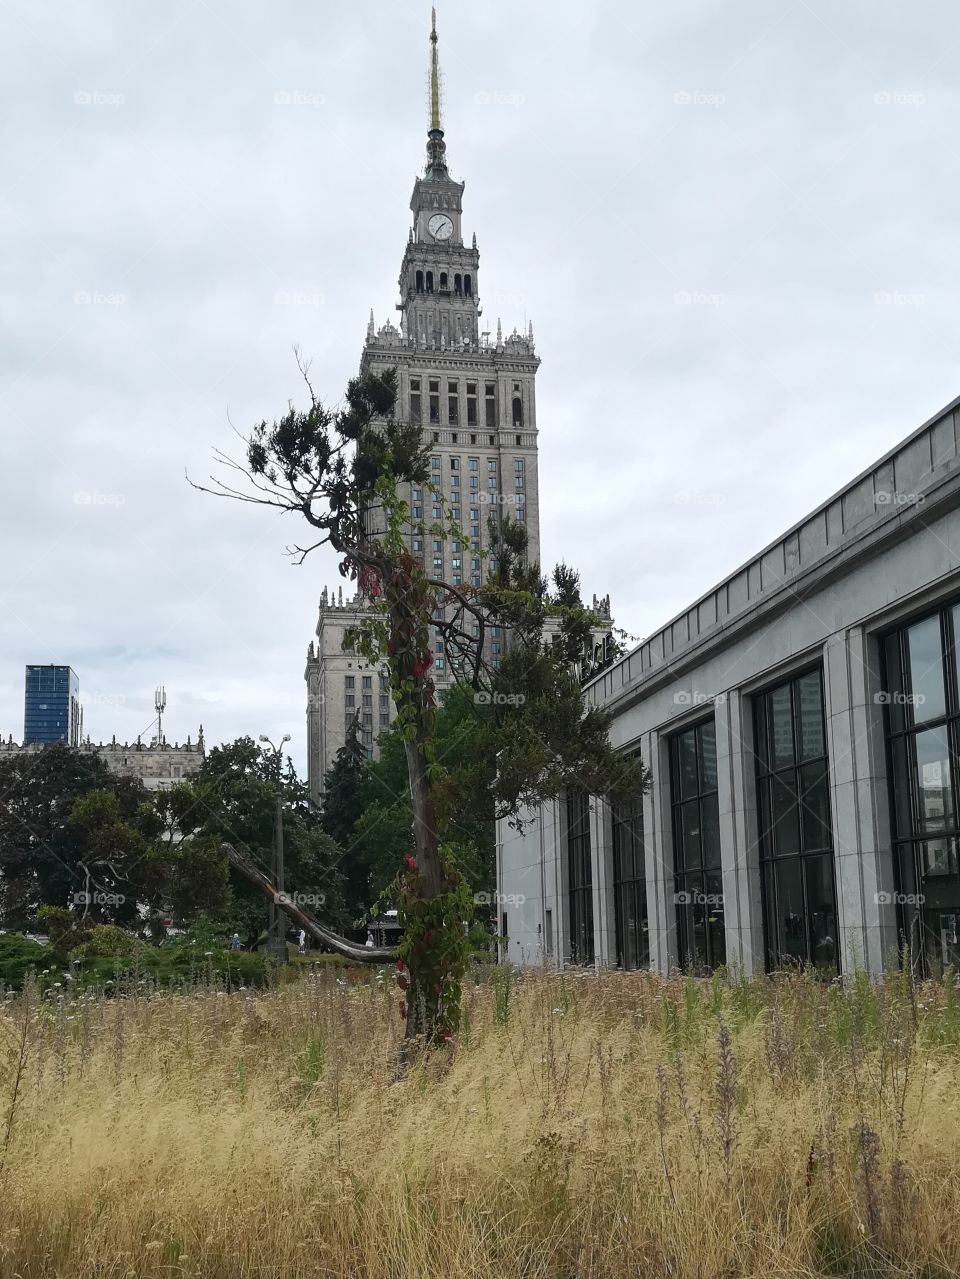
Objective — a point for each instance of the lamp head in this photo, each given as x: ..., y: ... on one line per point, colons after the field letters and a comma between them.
x: 264, y: 738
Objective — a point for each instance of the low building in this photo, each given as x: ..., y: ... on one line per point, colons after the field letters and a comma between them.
x: 158, y: 765
x: 802, y: 724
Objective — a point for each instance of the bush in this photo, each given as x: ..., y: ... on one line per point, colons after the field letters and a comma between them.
x: 106, y: 940
x: 174, y: 968
x: 18, y: 955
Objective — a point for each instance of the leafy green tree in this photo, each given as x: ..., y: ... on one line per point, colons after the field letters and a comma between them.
x: 345, y: 472
x: 343, y: 805
x: 233, y: 799
x: 383, y: 832
x: 46, y: 856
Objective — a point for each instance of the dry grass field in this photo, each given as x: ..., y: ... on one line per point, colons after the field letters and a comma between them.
x: 606, y: 1125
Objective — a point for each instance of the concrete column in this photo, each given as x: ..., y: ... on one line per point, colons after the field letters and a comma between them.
x: 601, y: 853
x: 739, y: 851
x: 863, y: 861
x: 658, y: 847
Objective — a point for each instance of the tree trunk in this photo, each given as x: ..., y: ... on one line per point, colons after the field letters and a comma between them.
x: 425, y: 837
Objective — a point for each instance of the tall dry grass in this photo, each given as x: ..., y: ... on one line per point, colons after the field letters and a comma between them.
x: 605, y: 1125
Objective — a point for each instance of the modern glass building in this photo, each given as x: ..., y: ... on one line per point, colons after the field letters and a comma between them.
x: 801, y: 722
x: 52, y: 710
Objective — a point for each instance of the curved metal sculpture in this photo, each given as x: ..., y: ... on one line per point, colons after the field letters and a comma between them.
x: 319, y: 932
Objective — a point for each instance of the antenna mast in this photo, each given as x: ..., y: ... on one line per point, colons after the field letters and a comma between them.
x: 160, y: 705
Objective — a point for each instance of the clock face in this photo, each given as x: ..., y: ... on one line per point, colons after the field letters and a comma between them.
x: 440, y: 227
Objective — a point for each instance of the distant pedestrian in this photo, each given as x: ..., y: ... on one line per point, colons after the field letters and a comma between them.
x: 302, y: 941
x: 369, y: 941
x: 235, y: 942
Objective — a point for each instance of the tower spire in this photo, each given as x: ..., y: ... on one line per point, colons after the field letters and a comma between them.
x: 434, y: 75
x: 436, y: 147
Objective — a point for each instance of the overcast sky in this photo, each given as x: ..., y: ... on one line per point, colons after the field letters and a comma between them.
x: 733, y: 223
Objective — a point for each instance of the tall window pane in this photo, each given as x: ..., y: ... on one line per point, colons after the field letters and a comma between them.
x: 696, y: 842
x: 922, y: 718
x: 629, y: 886
x: 579, y: 877
x: 925, y: 662
x: 796, y: 838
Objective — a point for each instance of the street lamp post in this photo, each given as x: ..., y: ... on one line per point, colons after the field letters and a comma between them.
x: 277, y: 927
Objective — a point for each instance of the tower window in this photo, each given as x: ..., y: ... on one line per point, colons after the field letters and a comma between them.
x: 517, y: 411
x: 443, y: 279
x: 467, y: 286
x: 458, y: 284
x: 419, y: 281
x: 491, y: 403
x: 429, y: 281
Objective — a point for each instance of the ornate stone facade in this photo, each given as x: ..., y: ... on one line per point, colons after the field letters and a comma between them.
x: 158, y: 765
x: 474, y: 394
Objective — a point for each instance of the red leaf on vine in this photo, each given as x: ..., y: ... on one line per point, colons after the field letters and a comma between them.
x: 402, y: 982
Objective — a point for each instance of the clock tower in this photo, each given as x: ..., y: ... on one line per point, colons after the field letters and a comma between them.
x: 473, y: 395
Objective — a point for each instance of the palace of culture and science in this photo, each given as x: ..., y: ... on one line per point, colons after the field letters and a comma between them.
x: 476, y: 398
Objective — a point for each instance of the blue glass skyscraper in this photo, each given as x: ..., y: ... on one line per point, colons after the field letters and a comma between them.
x: 52, y: 710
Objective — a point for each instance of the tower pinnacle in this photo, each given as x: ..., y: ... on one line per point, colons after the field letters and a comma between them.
x: 436, y: 147
x: 434, y: 75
